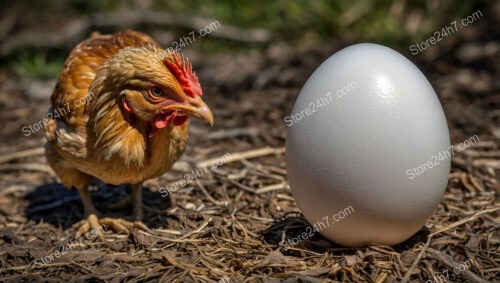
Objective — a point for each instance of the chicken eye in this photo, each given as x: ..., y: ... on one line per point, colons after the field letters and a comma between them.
x: 157, y: 91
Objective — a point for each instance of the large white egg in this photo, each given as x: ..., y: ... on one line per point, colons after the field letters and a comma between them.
x: 367, y: 151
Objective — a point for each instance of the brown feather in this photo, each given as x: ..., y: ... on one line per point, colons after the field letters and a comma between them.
x: 98, y: 139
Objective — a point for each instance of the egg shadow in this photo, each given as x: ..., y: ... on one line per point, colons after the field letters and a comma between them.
x: 293, y: 225
x: 53, y: 203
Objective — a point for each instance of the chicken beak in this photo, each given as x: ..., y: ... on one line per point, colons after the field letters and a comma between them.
x: 198, y: 109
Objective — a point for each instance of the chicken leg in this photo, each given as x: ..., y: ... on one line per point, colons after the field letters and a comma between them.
x: 93, y: 221
x: 134, y: 200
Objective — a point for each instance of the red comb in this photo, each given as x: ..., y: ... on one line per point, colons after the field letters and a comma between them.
x: 183, y: 71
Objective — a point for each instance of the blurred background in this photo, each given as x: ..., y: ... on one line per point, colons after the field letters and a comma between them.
x: 35, y: 36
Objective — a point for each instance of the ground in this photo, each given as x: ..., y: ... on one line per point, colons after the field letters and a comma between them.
x: 229, y: 223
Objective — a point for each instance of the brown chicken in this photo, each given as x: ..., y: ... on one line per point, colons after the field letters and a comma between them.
x: 120, y: 113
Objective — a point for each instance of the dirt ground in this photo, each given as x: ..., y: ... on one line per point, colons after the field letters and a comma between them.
x: 230, y: 223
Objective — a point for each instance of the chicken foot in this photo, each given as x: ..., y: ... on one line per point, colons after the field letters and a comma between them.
x: 94, y: 223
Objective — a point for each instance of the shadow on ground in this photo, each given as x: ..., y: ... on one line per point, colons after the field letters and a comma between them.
x: 292, y: 226
x: 53, y: 203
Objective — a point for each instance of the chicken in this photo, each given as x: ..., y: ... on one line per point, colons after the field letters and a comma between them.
x: 120, y: 113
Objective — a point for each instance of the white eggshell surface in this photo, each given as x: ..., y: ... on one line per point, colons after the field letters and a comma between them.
x: 356, y: 150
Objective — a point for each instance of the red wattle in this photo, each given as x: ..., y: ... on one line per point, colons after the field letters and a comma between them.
x: 163, y: 120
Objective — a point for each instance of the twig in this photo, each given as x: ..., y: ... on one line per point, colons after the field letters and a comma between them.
x: 27, y: 166
x: 181, y: 166
x: 463, y: 221
x: 463, y: 179
x: 381, y: 278
x: 21, y: 154
x: 208, y: 196
x: 169, y: 231
x: 448, y: 261
x: 486, y: 154
x: 495, y: 164
x: 181, y: 240
x: 417, y: 260
x: 202, y: 226
x: 485, y: 144
x: 237, y: 156
x: 271, y: 188
x: 246, y: 188
x: 476, y: 183
x: 381, y: 250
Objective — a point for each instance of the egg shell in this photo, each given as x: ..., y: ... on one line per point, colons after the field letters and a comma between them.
x: 357, y: 150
